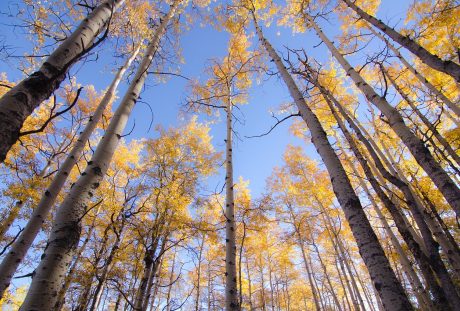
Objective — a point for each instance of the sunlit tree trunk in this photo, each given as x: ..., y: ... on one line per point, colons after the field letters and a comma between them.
x: 300, y: 243
x: 420, y: 257
x: 388, y: 286
x: 422, y: 296
x: 446, y: 66
x: 71, y: 274
x: 418, y: 149
x: 231, y: 291
x: 428, y: 124
x: 198, y: 282
x: 326, y: 275
x: 66, y: 228
x: 19, y: 249
x: 434, y: 91
x: 19, y: 102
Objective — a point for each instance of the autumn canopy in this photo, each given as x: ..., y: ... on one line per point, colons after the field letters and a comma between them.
x: 229, y: 155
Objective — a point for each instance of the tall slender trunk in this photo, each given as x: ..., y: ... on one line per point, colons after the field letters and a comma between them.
x: 300, y: 243
x: 148, y: 264
x: 446, y: 66
x: 326, y: 275
x: 418, y: 149
x: 417, y: 286
x: 68, y: 278
x: 153, y: 274
x: 20, y: 101
x: 66, y: 229
x: 428, y: 124
x: 248, y: 273
x: 198, y: 281
x: 437, y: 93
x: 415, y: 248
x: 105, y: 270
x: 19, y: 249
x: 386, y: 283
x: 171, y: 283
x: 231, y: 291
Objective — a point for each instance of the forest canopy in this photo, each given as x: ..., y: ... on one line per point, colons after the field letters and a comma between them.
x: 229, y: 155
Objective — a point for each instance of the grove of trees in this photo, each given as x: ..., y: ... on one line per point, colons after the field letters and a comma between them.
x: 361, y: 212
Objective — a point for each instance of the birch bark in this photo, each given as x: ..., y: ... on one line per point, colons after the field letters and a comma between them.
x: 231, y: 291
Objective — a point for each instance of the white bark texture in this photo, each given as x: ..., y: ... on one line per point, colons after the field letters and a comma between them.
x: 437, y: 93
x: 19, y: 249
x: 19, y: 102
x: 383, y: 277
x: 418, y: 149
x: 231, y: 291
x: 446, y: 66
x: 65, y: 232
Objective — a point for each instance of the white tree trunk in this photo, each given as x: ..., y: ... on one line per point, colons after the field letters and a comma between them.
x: 418, y: 149
x: 428, y: 124
x: 383, y: 277
x: 19, y: 249
x: 446, y: 66
x: 437, y: 93
x: 19, y: 102
x: 385, y: 281
x: 66, y: 228
x: 231, y: 291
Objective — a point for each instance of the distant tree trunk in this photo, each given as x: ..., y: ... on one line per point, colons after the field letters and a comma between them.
x: 153, y: 274
x: 21, y: 100
x: 171, y: 282
x: 300, y: 243
x: 148, y: 264
x: 231, y: 291
x: 388, y: 286
x: 198, y: 283
x: 66, y: 229
x: 101, y: 278
x: 251, y: 308
x: 418, y: 149
x: 326, y: 275
x: 446, y: 66
x: 19, y: 249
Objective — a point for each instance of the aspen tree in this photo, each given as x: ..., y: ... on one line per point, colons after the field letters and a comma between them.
x: 435, y: 91
x: 418, y: 149
x: 19, y: 249
x: 387, y: 285
x: 66, y: 228
x: 19, y: 102
x: 446, y: 66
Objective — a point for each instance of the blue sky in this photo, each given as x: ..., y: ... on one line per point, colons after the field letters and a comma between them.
x: 253, y: 158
